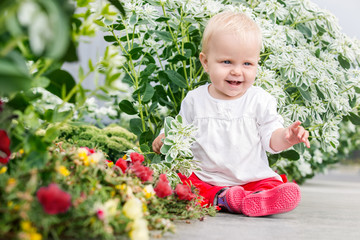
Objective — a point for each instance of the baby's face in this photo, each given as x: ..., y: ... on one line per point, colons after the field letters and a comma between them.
x: 231, y: 63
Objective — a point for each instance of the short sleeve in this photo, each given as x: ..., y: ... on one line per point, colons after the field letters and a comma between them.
x: 268, y: 121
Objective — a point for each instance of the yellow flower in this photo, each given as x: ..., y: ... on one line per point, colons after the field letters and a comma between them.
x: 26, y: 226
x: 3, y: 170
x: 133, y: 208
x: 82, y: 155
x: 11, y: 181
x: 124, y: 157
x: 121, y: 187
x: 86, y: 161
x: 16, y: 207
x: 63, y: 171
x: 35, y: 236
x: 21, y: 151
x: 144, y: 207
x: 30, y: 230
x: 110, y: 164
x: 112, y: 193
x: 148, y: 191
x: 139, y: 230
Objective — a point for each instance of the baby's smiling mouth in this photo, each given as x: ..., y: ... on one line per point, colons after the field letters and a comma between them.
x: 233, y: 82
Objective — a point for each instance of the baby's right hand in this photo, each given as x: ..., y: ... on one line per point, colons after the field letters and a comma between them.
x: 157, y: 143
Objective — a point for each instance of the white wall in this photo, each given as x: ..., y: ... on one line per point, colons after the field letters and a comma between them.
x: 348, y: 13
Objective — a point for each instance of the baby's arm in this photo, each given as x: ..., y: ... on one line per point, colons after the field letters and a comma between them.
x: 157, y: 143
x: 283, y: 138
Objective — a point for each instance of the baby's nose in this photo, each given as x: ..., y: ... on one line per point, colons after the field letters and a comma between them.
x: 236, y: 70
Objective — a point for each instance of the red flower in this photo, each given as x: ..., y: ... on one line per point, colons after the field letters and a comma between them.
x: 136, y: 157
x: 163, y: 188
x: 184, y: 192
x: 122, y: 164
x: 100, y: 214
x: 1, y: 106
x: 89, y: 151
x: 142, y: 172
x: 53, y: 199
x: 4, y: 147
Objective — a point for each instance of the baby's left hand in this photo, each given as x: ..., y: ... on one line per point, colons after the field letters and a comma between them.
x: 296, y: 134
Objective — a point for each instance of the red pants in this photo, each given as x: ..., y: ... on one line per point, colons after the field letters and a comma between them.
x: 209, y: 191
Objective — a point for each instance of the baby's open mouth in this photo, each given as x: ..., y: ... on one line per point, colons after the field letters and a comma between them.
x: 233, y: 82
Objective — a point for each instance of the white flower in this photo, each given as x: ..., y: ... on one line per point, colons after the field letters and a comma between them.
x: 139, y: 230
x: 303, y: 166
x: 133, y: 208
x: 318, y: 156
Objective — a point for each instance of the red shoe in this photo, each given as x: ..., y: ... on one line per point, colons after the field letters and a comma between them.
x: 231, y: 199
x: 280, y: 199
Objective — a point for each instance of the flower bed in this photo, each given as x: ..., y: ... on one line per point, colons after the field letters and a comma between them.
x: 81, y: 194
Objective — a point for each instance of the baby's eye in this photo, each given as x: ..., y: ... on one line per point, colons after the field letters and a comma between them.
x: 226, y: 62
x: 247, y: 64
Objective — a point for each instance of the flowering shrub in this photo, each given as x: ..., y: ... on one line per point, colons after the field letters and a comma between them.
x: 79, y: 193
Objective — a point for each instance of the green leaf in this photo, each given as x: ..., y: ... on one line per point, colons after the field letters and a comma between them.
x: 319, y: 93
x: 51, y: 134
x: 357, y: 89
x: 57, y: 46
x: 162, y: 19
x: 344, y: 62
x: 127, y: 107
x: 300, y: 148
x: 304, y: 30
x: 133, y: 19
x: 167, y: 124
x: 135, y: 51
x: 320, y: 29
x: 164, y: 149
x: 163, y: 35
x: 176, y: 78
x: 355, y: 119
x: 145, y: 137
x: 136, y: 126
x: 118, y: 5
x: 61, y: 116
x: 144, y: 148
x: 156, y: 158
x: 61, y: 83
x: 191, y: 46
x: 273, y: 159
x: 148, y: 70
x: 149, y: 93
x: 148, y: 59
x: 110, y: 38
x: 290, y: 155
x: 305, y: 94
x: 177, y: 58
x: 14, y: 75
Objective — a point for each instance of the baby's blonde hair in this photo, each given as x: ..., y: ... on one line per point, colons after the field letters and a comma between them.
x: 238, y: 23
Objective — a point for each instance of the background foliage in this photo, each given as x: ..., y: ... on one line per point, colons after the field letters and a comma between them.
x: 306, y: 63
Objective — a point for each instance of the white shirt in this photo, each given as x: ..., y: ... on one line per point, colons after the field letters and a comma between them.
x: 233, y: 135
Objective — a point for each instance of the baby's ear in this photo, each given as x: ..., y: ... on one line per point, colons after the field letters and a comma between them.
x: 204, y: 61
